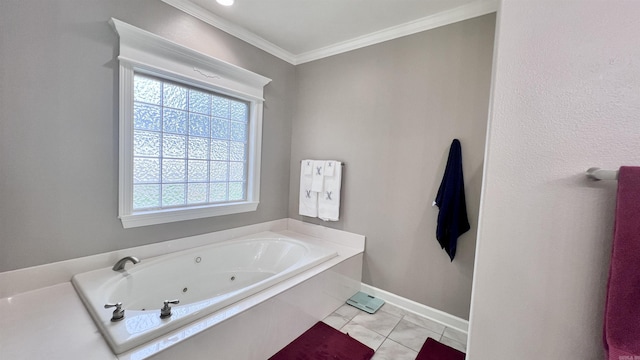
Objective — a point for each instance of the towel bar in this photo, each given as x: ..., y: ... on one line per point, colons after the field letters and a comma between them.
x: 341, y: 163
x: 596, y: 174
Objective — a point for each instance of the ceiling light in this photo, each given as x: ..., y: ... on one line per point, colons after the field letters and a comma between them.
x: 225, y: 2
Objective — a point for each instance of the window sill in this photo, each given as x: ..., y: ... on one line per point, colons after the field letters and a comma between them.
x: 171, y: 215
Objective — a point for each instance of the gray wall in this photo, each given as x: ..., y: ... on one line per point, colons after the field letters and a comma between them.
x: 390, y: 112
x: 59, y: 127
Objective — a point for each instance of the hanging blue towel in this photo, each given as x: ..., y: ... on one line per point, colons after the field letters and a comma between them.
x: 452, y: 218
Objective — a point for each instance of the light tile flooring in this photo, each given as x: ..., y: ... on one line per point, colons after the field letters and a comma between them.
x: 393, y: 333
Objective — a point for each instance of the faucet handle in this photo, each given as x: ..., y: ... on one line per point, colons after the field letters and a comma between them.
x: 118, y: 313
x: 165, y: 312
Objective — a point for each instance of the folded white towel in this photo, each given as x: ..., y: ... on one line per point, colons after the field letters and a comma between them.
x: 317, y: 184
x: 329, y: 165
x: 329, y: 199
x: 307, y: 167
x: 308, y: 198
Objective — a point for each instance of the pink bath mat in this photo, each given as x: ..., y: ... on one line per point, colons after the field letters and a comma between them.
x: 433, y: 350
x: 322, y: 342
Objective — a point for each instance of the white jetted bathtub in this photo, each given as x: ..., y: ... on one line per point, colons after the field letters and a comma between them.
x: 203, y: 279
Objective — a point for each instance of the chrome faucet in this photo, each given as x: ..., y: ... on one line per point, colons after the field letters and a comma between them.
x: 119, y: 266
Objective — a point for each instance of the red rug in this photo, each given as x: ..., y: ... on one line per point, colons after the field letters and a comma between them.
x: 433, y: 350
x: 322, y: 342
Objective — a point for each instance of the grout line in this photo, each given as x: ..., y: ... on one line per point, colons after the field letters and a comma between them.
x: 402, y: 317
x: 406, y: 347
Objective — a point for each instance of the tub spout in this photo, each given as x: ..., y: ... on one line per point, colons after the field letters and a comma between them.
x: 119, y: 266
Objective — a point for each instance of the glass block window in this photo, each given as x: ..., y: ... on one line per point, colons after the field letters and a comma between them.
x: 189, y: 145
x: 190, y: 132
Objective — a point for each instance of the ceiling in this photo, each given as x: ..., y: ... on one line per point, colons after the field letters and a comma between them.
x: 304, y: 30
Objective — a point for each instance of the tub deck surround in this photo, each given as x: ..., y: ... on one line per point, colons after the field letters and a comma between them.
x: 256, y: 328
x: 204, y: 280
x: 63, y: 317
x: 308, y: 297
x: 49, y: 323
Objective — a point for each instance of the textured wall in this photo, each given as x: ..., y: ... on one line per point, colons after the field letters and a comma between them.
x: 566, y: 97
x: 390, y: 111
x: 59, y: 127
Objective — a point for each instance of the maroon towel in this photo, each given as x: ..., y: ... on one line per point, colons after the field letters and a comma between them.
x: 322, y: 342
x: 433, y: 350
x: 622, y: 310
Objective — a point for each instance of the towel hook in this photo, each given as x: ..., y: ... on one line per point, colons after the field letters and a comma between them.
x: 596, y: 174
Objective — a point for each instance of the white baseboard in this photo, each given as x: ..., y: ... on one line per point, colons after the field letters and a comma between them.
x: 442, y: 317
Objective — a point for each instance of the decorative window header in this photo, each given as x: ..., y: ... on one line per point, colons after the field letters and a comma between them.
x: 175, y: 177
x: 146, y: 50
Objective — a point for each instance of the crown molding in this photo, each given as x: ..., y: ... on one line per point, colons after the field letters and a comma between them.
x: 464, y: 12
x: 443, y: 18
x: 232, y: 29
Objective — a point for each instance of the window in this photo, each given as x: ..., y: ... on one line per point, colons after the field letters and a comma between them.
x: 190, y: 130
x: 189, y: 146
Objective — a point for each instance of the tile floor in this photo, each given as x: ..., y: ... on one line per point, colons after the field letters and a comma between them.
x: 393, y: 333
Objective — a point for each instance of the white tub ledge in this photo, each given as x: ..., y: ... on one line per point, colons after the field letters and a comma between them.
x: 49, y: 323
x: 42, y: 316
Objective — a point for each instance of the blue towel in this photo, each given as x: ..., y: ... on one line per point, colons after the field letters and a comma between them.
x: 452, y: 218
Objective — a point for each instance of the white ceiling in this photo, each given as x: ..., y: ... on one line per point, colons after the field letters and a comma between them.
x: 303, y: 30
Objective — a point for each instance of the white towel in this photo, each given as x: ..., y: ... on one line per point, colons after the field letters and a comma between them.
x: 307, y: 167
x: 317, y: 184
x: 329, y: 199
x: 308, y: 199
x: 329, y: 165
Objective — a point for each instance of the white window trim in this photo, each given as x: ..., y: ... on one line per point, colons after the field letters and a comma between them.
x: 144, y: 52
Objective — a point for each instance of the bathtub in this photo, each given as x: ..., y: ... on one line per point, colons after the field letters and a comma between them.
x: 204, y: 280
